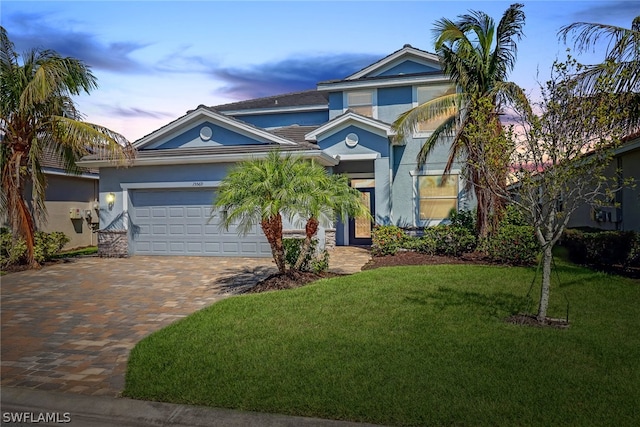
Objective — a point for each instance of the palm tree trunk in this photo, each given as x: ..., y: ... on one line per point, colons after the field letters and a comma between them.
x: 22, y: 224
x: 272, y: 229
x: 311, y: 228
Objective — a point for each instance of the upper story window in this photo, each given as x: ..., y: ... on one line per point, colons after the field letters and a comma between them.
x: 361, y: 102
x: 427, y: 93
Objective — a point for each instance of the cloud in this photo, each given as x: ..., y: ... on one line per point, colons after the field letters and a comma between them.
x: 32, y: 30
x: 289, y: 75
x: 134, y: 112
x: 604, y: 12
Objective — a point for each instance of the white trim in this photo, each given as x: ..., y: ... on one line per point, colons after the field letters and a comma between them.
x: 167, y: 185
x: 336, y: 125
x: 125, y: 210
x: 322, y: 158
x: 395, y: 81
x: 364, y: 156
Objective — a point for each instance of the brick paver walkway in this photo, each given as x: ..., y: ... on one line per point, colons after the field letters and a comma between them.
x: 69, y: 327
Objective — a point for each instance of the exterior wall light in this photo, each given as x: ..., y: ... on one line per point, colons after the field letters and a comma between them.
x: 110, y: 199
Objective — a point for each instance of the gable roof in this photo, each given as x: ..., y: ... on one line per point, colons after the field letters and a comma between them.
x: 350, y: 118
x: 203, y: 112
x: 407, y: 51
x: 392, y: 71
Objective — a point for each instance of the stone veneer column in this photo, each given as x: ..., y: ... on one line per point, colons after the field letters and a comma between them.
x: 329, y: 238
x: 113, y: 244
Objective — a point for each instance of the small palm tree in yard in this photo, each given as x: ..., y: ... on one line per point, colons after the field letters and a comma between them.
x: 263, y: 190
x: 329, y: 196
x: 38, y: 118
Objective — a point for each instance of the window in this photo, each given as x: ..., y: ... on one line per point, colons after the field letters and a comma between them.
x: 427, y: 93
x: 361, y: 102
x: 437, y: 198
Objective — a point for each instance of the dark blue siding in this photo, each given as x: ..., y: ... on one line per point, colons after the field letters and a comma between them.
x: 395, y: 95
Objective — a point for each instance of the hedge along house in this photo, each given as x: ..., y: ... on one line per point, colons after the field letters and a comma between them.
x: 161, y: 204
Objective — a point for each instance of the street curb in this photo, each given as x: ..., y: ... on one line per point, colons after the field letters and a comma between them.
x: 93, y: 411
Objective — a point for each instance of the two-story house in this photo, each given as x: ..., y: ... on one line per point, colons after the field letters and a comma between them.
x: 161, y: 205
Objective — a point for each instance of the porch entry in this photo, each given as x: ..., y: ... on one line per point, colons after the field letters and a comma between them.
x: 360, y: 228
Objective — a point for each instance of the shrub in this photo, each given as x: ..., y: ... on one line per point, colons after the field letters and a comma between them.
x: 634, y: 255
x: 48, y: 244
x: 464, y: 219
x: 451, y: 240
x: 312, y: 262
x: 387, y: 239
x: 320, y: 263
x: 602, y: 248
x: 513, y: 216
x: 513, y: 245
x: 14, y: 251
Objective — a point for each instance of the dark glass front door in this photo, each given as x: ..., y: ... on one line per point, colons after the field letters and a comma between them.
x: 360, y: 228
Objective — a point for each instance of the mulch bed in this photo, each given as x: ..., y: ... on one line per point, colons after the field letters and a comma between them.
x: 531, y: 320
x: 288, y: 280
x: 415, y: 258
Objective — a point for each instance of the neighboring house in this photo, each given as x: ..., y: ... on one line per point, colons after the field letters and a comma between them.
x: 72, y: 203
x: 624, y: 214
x: 162, y: 202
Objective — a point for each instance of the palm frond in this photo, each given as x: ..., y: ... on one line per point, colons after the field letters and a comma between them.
x: 446, y: 129
x: 79, y: 138
x: 444, y: 106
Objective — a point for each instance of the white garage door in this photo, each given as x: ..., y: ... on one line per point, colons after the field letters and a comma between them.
x: 176, y: 222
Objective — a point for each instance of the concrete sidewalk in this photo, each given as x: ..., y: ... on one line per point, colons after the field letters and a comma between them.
x: 95, y: 411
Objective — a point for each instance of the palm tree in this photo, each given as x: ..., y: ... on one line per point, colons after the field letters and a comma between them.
x: 326, y: 197
x: 37, y: 118
x: 260, y: 191
x: 621, y: 66
x: 478, y: 57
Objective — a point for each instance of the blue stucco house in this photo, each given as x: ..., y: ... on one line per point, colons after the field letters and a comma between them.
x: 161, y: 204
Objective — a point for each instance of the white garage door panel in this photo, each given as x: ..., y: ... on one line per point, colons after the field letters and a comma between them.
x: 176, y: 222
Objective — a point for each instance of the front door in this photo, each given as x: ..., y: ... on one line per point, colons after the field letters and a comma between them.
x: 360, y: 227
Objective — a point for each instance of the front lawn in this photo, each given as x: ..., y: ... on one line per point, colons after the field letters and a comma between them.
x: 420, y: 345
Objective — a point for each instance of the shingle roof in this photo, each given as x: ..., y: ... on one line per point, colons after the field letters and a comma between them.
x: 294, y: 99
x: 296, y: 134
x: 52, y: 161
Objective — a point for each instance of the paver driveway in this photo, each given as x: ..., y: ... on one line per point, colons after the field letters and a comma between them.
x: 70, y: 327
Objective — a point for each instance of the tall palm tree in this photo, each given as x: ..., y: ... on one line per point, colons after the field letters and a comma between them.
x: 478, y: 56
x: 325, y: 198
x: 38, y: 117
x: 621, y: 66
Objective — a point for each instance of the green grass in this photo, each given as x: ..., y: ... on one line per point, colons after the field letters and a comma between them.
x: 89, y: 250
x: 423, y: 345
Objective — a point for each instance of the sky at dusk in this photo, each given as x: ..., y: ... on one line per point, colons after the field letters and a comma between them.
x: 155, y: 60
